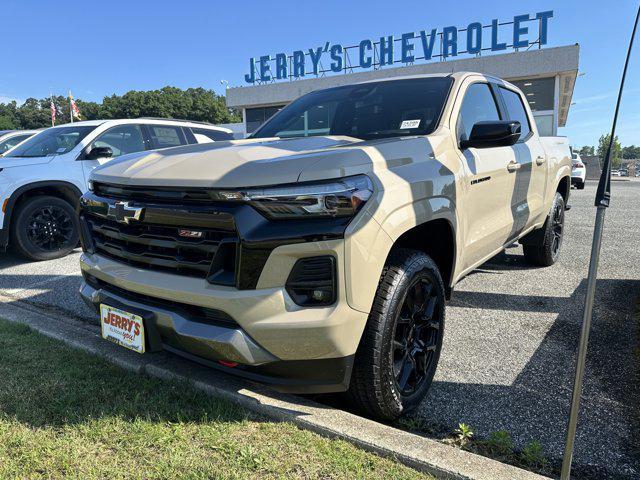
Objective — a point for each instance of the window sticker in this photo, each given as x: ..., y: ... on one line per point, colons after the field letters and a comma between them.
x: 409, y: 124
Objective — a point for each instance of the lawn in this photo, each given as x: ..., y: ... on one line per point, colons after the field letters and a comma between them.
x: 67, y: 414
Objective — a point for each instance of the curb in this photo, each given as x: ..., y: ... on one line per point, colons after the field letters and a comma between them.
x: 415, y: 451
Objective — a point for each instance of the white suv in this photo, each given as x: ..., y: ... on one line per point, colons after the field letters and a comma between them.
x: 578, y: 171
x: 42, y: 178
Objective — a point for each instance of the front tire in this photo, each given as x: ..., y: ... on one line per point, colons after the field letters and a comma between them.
x: 400, y: 347
x: 44, y: 228
x: 546, y: 251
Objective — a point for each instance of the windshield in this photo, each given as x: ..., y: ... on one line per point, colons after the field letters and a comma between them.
x: 53, y: 141
x: 371, y: 110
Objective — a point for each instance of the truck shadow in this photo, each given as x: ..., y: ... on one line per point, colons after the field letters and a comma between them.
x: 536, y: 405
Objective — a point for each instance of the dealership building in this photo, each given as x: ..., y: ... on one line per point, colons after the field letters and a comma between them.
x: 514, y: 50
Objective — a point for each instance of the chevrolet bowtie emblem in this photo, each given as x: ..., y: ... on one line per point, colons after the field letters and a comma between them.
x: 123, y: 212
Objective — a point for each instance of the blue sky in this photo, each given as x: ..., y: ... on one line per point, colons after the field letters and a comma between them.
x: 97, y: 49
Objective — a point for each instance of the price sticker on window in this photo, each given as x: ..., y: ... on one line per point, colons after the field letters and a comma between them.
x: 406, y: 124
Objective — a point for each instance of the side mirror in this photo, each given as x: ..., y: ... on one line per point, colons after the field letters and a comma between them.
x: 497, y: 133
x: 99, y: 152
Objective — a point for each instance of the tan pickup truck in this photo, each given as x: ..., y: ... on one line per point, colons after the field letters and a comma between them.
x: 317, y: 255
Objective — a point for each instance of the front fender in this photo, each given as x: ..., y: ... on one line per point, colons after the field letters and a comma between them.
x: 368, y: 244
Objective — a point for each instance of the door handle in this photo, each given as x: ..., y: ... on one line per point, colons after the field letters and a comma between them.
x: 540, y: 160
x: 513, y: 166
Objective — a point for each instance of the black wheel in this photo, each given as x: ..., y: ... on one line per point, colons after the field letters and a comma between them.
x: 546, y: 251
x: 44, y: 228
x: 580, y: 186
x: 400, y: 347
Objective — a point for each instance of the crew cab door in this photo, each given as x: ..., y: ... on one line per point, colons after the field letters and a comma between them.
x: 527, y: 199
x: 121, y: 139
x: 489, y: 180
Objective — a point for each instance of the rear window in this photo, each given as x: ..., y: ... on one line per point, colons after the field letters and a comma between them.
x: 164, y: 136
x: 203, y: 135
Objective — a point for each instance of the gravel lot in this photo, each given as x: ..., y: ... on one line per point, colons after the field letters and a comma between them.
x: 510, y: 342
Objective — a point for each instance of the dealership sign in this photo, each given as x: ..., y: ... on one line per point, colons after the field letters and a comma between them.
x: 405, y: 49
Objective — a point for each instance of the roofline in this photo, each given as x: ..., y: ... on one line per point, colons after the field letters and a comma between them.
x: 158, y: 119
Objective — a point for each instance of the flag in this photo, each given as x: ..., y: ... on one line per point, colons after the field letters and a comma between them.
x: 75, y: 112
x: 53, y: 113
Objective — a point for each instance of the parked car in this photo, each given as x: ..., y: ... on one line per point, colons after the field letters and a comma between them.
x: 615, y: 172
x: 624, y: 172
x: 11, y: 138
x: 578, y: 171
x: 42, y: 178
x: 317, y: 255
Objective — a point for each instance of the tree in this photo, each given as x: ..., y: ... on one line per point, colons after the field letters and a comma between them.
x: 616, y: 150
x: 586, y: 151
x: 169, y: 102
x: 631, y: 152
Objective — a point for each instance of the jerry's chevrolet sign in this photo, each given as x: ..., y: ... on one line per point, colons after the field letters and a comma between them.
x: 406, y: 49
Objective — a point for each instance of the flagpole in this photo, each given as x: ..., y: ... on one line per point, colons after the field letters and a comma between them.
x: 70, y: 107
x: 603, y: 195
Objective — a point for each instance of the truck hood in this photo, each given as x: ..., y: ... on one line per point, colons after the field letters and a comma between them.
x: 234, y: 164
x: 9, y: 162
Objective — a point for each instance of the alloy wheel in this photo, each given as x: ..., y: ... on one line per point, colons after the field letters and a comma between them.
x: 416, y: 336
x: 557, y: 228
x: 50, y: 228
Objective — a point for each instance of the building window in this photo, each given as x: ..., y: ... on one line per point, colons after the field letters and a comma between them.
x: 544, y: 124
x: 539, y: 92
x: 255, y: 117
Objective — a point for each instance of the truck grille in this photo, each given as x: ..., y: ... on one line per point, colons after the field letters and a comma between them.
x: 155, y: 247
x: 194, y: 241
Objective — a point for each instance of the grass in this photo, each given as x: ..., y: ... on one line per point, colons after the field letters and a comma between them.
x: 67, y: 414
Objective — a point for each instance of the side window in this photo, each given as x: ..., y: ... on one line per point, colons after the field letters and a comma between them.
x: 516, y: 111
x: 121, y: 140
x: 164, y: 136
x: 478, y: 106
x: 204, y: 135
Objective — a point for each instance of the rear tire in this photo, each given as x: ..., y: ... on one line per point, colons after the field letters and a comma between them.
x: 580, y: 186
x: 44, y: 228
x: 400, y: 347
x: 546, y: 251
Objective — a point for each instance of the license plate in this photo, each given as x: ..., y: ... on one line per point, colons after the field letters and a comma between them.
x: 124, y: 328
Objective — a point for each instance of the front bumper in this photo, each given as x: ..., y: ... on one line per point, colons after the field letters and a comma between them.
x: 273, y: 340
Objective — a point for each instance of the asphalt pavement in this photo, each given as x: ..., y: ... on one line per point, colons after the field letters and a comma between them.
x: 510, y: 339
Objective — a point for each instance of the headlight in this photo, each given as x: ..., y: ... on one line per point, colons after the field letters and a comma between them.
x: 335, y: 198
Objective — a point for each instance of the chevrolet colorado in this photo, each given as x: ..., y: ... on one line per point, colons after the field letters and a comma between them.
x: 317, y: 255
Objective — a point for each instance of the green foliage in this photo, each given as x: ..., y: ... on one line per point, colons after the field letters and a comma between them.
x: 587, y: 150
x: 532, y: 456
x: 463, y: 433
x: 630, y: 152
x: 499, y: 443
x: 616, y: 150
x: 169, y: 102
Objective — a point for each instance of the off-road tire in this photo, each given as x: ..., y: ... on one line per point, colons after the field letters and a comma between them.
x: 374, y: 388
x: 23, y: 222
x: 545, y: 252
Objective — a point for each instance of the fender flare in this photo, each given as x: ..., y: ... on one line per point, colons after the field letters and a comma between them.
x: 427, y: 210
x: 18, y: 192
